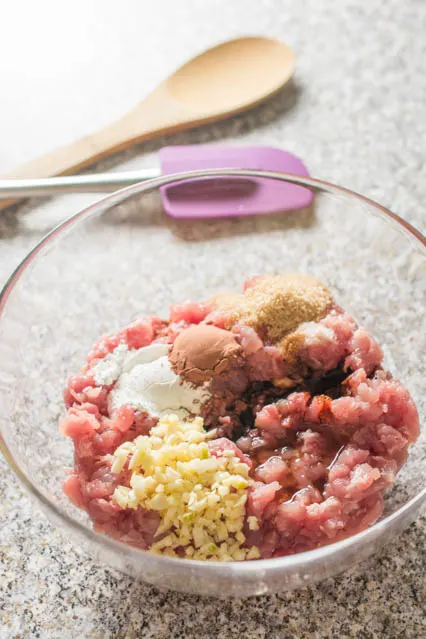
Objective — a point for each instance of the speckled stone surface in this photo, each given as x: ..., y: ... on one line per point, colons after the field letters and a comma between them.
x: 355, y: 113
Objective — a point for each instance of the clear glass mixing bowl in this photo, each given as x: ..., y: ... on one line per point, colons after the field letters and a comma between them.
x: 123, y: 257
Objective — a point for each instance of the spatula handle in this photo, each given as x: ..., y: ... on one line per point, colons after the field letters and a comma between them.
x: 89, y: 183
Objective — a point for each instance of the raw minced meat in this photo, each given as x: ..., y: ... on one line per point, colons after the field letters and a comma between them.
x: 321, y: 425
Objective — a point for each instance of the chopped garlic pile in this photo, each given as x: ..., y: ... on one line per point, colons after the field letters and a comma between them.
x: 200, y: 498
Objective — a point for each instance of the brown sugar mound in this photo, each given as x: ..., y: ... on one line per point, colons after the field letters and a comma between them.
x: 275, y: 305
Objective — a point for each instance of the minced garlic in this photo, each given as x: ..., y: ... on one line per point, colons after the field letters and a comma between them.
x: 200, y: 498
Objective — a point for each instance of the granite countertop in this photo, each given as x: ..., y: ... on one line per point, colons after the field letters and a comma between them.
x: 355, y: 113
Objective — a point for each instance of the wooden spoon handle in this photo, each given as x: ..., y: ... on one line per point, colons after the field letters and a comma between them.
x: 156, y: 115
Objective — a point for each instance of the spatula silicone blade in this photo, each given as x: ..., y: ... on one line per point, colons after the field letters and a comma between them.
x: 231, y: 196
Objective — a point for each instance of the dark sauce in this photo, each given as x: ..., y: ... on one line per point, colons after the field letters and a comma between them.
x: 329, y: 384
x: 260, y: 394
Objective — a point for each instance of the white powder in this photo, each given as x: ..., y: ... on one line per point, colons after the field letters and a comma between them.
x: 315, y: 333
x: 108, y: 370
x: 144, y: 380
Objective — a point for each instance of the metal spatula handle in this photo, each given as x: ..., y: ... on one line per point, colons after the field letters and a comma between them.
x: 73, y: 183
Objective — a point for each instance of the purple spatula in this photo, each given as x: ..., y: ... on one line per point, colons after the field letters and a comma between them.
x: 231, y: 196
x: 197, y: 198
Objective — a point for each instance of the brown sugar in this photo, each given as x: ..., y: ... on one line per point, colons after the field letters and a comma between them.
x: 290, y: 346
x: 275, y: 305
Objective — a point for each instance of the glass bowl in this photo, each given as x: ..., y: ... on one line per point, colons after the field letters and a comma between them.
x: 122, y: 257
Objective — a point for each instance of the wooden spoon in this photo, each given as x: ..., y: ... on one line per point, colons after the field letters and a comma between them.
x: 220, y: 82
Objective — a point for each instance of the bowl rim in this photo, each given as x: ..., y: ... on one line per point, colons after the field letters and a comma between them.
x: 245, y: 568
